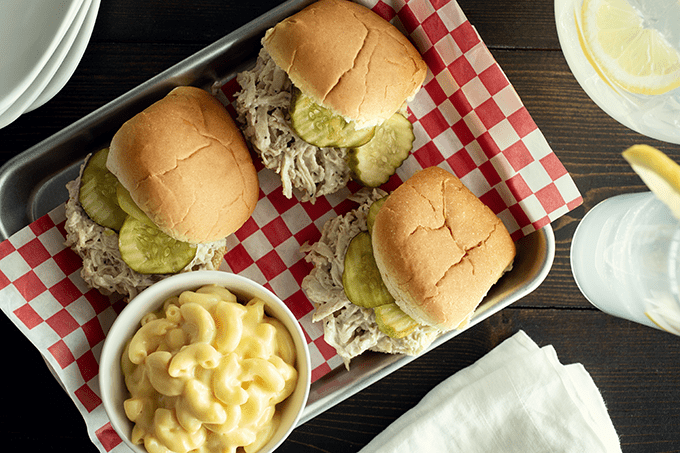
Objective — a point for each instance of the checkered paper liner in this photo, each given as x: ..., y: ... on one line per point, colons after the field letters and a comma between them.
x: 468, y: 119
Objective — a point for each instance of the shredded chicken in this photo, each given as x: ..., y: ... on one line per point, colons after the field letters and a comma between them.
x: 103, y: 267
x: 262, y: 106
x: 350, y: 329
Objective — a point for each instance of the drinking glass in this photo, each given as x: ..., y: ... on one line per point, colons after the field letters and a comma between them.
x: 625, y: 257
x: 656, y: 116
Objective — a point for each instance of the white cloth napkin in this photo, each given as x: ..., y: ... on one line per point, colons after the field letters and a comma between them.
x: 517, y: 398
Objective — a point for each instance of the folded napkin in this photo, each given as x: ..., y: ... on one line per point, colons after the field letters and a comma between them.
x: 517, y: 398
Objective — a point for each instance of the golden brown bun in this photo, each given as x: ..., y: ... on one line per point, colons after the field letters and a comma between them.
x: 439, y: 248
x: 346, y: 57
x: 187, y: 166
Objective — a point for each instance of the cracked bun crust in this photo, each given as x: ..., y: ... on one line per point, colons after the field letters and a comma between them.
x: 187, y: 166
x: 439, y: 248
x: 347, y: 58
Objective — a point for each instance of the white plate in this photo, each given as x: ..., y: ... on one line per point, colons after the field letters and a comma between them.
x: 657, y: 116
x: 32, y: 92
x: 68, y: 67
x: 30, y: 32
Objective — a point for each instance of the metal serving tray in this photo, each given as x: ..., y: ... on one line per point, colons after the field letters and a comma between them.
x: 32, y: 184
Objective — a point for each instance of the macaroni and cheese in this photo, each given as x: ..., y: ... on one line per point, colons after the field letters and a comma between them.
x: 205, y: 374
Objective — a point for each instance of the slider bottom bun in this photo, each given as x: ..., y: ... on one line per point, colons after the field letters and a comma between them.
x: 350, y: 329
x: 439, y: 249
x: 103, y: 268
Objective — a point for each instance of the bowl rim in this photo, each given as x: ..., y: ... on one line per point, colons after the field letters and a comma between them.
x: 127, y: 322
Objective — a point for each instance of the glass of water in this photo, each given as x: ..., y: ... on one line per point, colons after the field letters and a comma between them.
x: 625, y: 257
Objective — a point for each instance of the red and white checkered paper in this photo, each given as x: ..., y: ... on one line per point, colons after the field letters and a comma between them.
x: 468, y: 119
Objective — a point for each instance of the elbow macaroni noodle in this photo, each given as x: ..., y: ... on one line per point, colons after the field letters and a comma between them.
x: 205, y: 374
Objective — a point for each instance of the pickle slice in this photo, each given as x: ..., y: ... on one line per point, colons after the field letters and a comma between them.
x: 148, y: 250
x: 321, y: 127
x: 128, y: 205
x: 373, y: 163
x: 393, y: 322
x: 98, y: 192
x: 372, y: 212
x: 361, y: 278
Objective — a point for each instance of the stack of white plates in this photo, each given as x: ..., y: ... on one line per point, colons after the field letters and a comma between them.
x: 41, y: 44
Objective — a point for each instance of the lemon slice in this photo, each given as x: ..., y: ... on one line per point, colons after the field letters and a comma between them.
x: 624, y: 51
x: 670, y: 326
x: 663, y: 312
x: 659, y: 172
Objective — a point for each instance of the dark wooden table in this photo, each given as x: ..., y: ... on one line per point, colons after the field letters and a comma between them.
x: 636, y: 368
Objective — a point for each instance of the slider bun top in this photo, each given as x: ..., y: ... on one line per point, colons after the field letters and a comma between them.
x: 347, y: 58
x: 187, y: 166
x: 439, y: 248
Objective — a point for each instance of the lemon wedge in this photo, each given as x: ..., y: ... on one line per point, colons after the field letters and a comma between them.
x: 659, y: 172
x: 663, y: 312
x: 662, y: 323
x: 623, y: 50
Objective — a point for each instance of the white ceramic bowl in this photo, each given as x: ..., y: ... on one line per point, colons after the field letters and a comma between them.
x: 72, y: 59
x: 44, y: 77
x: 30, y: 32
x: 111, y: 382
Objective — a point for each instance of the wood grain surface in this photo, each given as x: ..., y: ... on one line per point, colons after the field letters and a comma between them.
x: 636, y: 368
